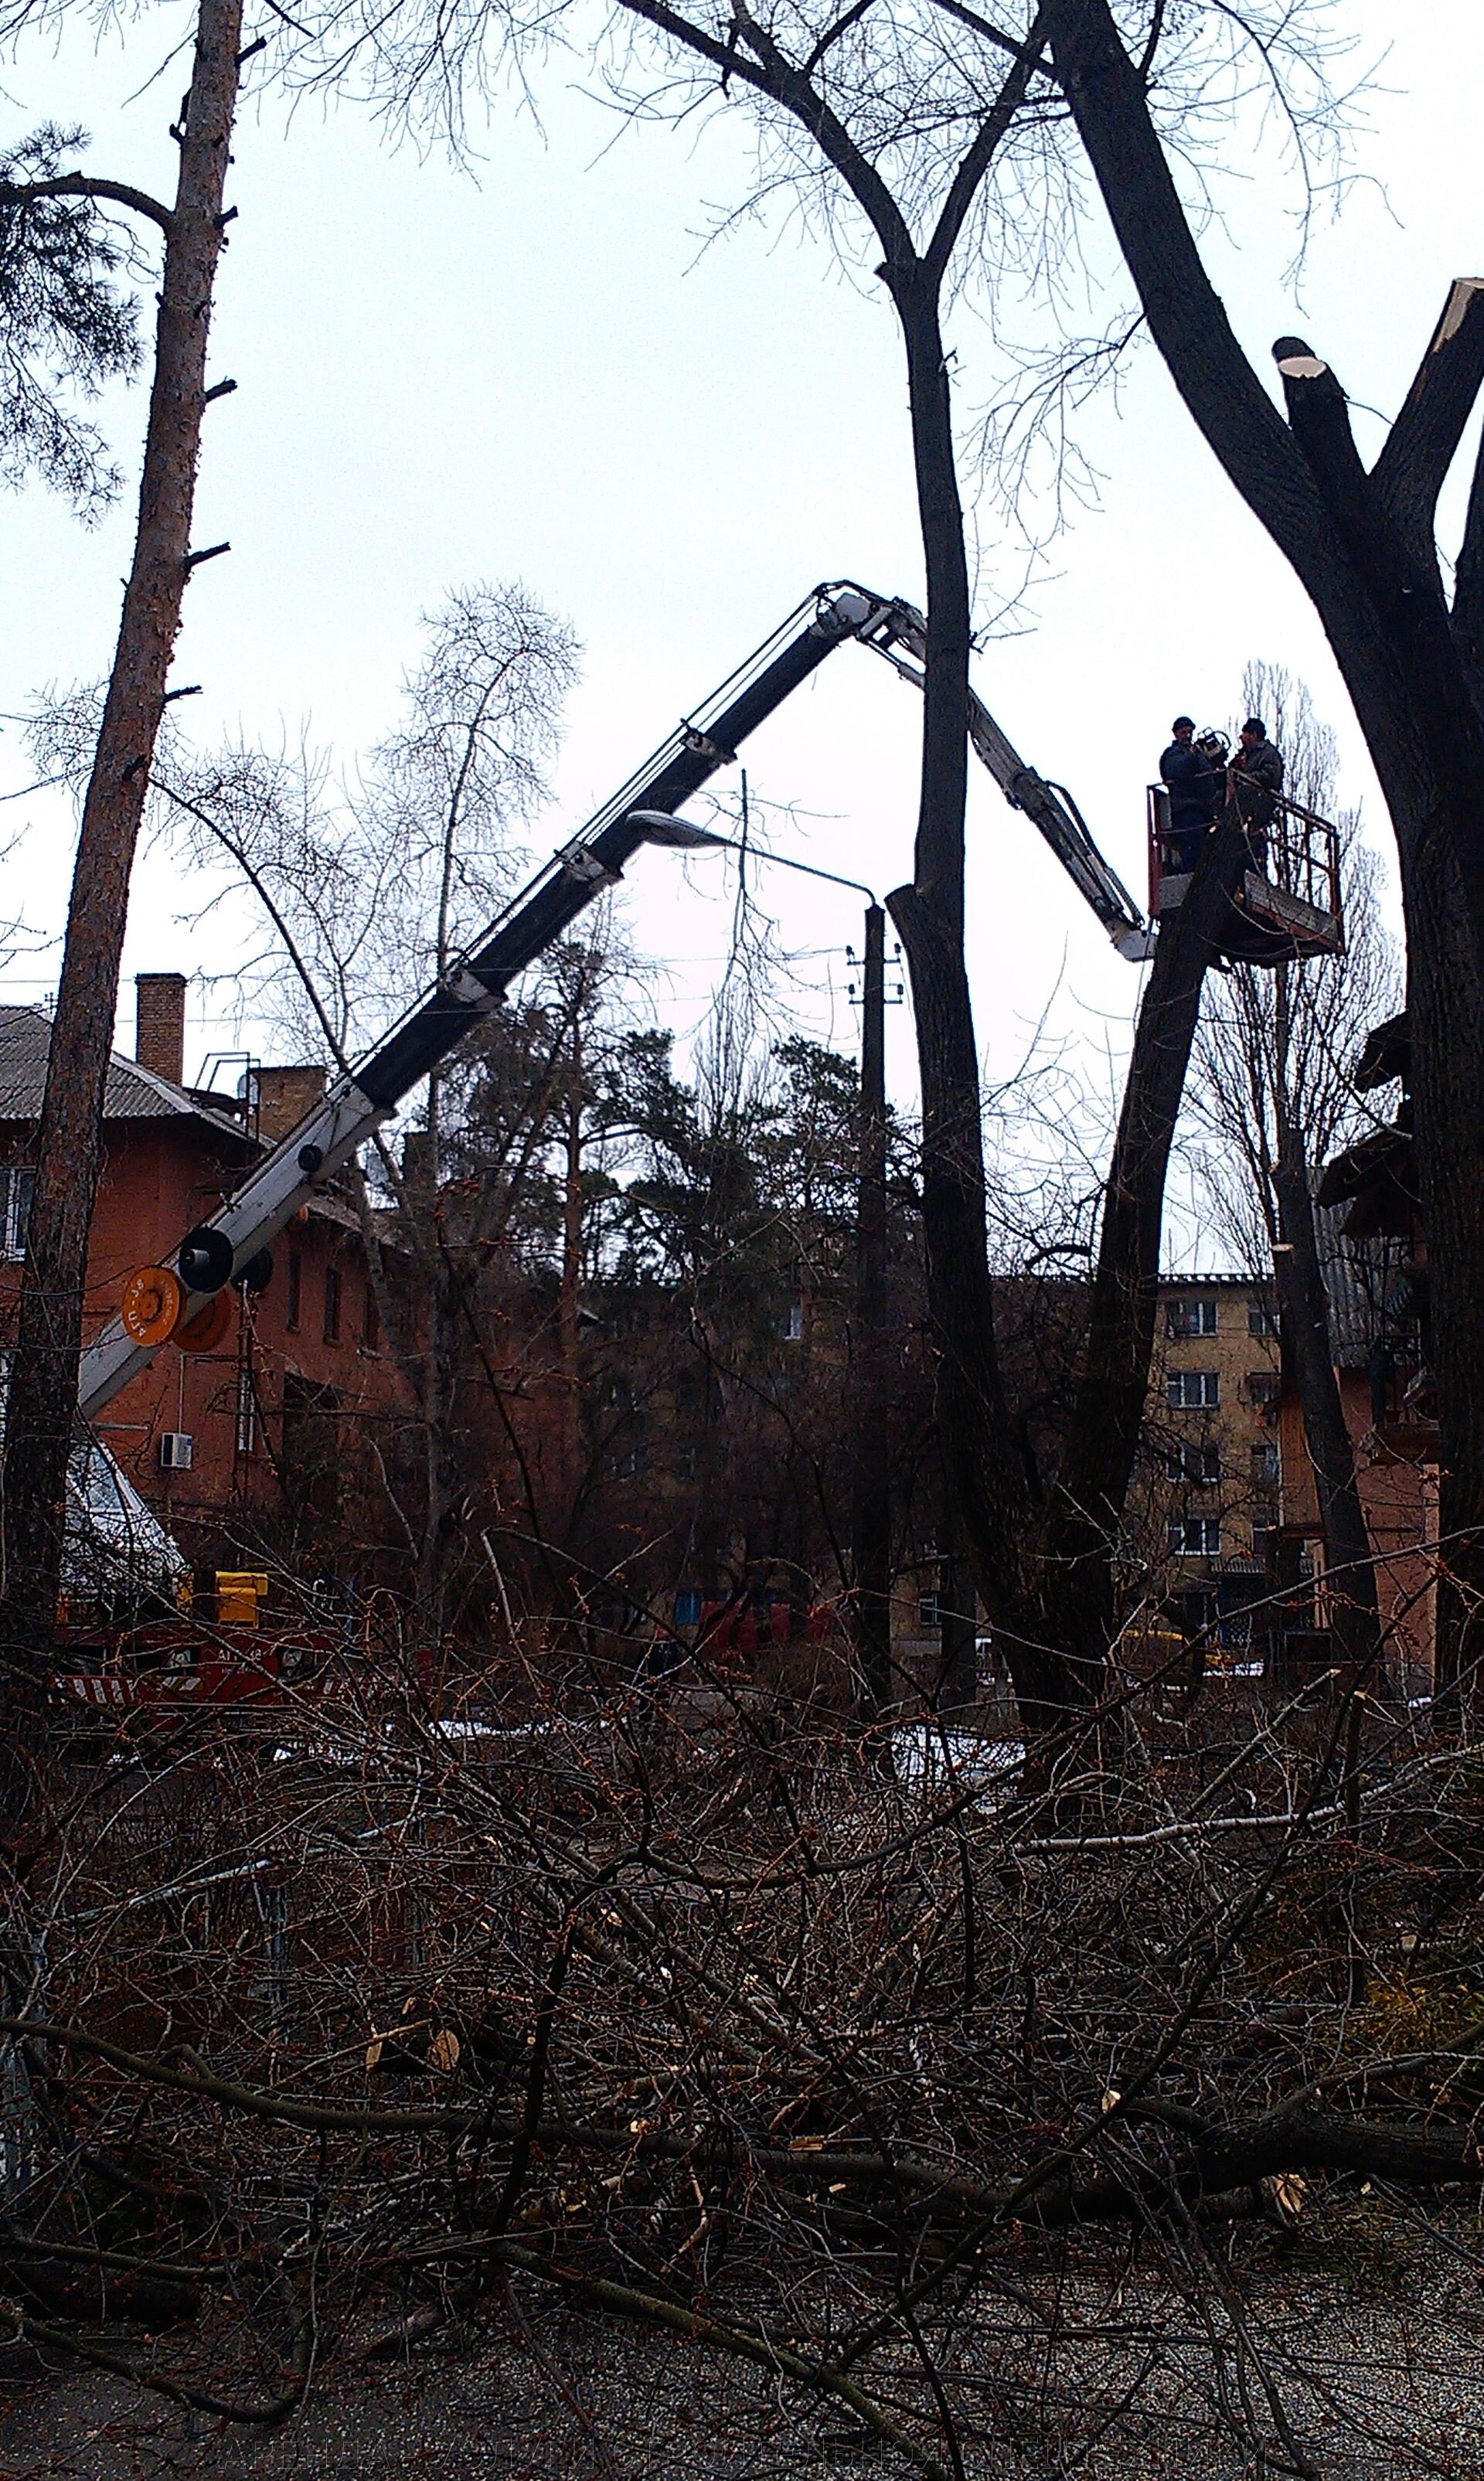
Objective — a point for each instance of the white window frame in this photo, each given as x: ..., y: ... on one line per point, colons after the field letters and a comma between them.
x: 14, y: 1217
x: 1179, y: 1383
x: 247, y: 1412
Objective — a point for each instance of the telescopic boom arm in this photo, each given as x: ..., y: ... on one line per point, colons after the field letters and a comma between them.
x: 355, y: 1106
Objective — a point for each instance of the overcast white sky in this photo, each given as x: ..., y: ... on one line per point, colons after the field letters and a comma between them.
x: 540, y: 373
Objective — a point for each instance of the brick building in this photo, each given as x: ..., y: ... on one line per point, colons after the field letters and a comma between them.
x: 274, y: 1414
x: 1207, y: 1498
x: 1228, y: 1483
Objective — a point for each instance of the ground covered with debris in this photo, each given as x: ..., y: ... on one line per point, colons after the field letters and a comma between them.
x: 1354, y: 2355
x: 726, y: 2105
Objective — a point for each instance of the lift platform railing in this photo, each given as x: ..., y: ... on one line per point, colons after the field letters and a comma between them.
x: 1286, y: 908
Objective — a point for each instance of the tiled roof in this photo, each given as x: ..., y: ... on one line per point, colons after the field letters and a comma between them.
x: 131, y: 1093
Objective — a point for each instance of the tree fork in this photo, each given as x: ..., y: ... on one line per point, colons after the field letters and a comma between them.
x: 42, y: 1407
x: 1409, y: 605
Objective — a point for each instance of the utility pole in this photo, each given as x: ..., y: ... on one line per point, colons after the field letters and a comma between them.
x: 871, y: 1529
x: 957, y: 1623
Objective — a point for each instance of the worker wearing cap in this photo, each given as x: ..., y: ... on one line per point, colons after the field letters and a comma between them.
x: 1193, y: 792
x: 1257, y: 779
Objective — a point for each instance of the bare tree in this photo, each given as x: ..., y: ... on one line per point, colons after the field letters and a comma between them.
x: 369, y: 886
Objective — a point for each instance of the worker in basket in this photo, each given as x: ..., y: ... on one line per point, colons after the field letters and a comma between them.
x: 1256, y: 779
x: 1196, y: 789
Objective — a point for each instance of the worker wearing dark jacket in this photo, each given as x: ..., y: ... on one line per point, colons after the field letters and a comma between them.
x: 1257, y: 778
x: 1194, y: 794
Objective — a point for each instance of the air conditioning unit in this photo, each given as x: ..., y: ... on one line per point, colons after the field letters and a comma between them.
x: 177, y: 1449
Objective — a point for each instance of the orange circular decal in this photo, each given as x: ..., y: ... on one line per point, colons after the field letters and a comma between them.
x: 152, y: 1302
x: 205, y: 1330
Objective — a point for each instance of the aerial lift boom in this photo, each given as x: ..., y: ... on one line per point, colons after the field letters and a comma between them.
x: 359, y: 1103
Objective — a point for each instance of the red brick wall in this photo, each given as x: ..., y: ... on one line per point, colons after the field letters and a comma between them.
x: 1400, y: 1501
x: 159, y: 1178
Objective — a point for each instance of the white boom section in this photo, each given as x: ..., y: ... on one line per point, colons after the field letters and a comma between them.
x: 1049, y: 806
x: 268, y: 1198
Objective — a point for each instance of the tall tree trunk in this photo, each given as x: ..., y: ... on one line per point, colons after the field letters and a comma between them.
x: 871, y: 1500
x: 1053, y: 1614
x: 1303, y: 1303
x: 568, y: 1298
x: 440, y: 1353
x: 983, y: 1471
x: 42, y: 1409
x: 1445, y: 1009
x: 1070, y: 1603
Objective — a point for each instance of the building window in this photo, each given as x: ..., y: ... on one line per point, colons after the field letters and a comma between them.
x: 1264, y: 1386
x: 333, y: 1305
x: 1264, y: 1463
x: 16, y: 1190
x: 687, y: 1463
x: 371, y: 1324
x: 247, y: 1412
x: 1189, y: 1389
x: 1189, y: 1317
x: 630, y: 1462
x: 928, y: 1611
x: 792, y: 1330
x: 1195, y: 1537
x: 1262, y: 1318
x: 296, y: 1290
x: 1200, y: 1465
x: 1264, y: 1521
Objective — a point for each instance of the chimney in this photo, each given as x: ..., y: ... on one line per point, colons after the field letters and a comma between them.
x: 160, y: 1024
x: 284, y: 1095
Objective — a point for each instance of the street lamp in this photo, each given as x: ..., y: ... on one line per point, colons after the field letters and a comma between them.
x: 679, y: 835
